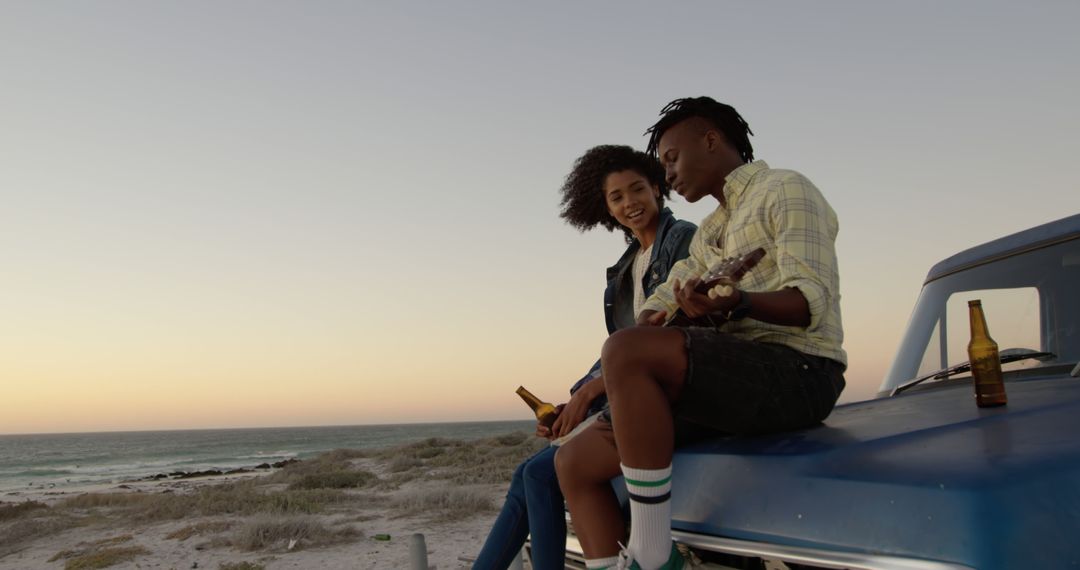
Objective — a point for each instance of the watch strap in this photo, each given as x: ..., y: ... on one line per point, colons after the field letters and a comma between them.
x: 741, y: 309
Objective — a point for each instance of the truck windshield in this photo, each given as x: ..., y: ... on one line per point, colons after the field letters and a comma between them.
x: 1030, y: 302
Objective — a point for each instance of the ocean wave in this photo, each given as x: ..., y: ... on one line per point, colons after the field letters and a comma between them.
x: 272, y: 455
x: 41, y: 473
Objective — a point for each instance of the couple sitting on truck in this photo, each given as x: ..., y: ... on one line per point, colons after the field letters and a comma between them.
x: 770, y: 360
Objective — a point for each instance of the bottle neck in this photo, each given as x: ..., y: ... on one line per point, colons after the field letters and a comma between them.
x: 529, y: 398
x: 978, y: 320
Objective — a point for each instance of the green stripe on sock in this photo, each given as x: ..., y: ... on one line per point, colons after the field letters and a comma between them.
x: 663, y: 481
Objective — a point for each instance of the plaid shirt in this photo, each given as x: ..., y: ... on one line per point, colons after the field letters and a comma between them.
x: 781, y: 211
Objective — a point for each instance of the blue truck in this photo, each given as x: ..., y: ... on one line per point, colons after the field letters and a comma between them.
x: 919, y: 477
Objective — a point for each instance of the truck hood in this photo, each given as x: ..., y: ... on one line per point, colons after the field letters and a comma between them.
x: 926, y: 474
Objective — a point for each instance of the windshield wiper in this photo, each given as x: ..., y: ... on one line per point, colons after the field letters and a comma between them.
x: 1006, y: 356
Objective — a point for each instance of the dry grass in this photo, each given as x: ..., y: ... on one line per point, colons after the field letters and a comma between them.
x: 109, y: 500
x: 405, y: 463
x: 99, y: 554
x: 338, y: 479
x: 105, y: 557
x: 329, y: 483
x: 199, y: 529
x: 336, y: 460
x: 11, y: 511
x: 239, y: 498
x: 240, y: 566
x: 445, y: 504
x: 490, y: 460
x: 265, y: 533
x: 15, y: 535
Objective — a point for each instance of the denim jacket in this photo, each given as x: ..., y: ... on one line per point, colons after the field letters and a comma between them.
x: 672, y: 244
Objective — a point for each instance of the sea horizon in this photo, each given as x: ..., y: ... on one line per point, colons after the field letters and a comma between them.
x: 299, y: 426
x: 57, y: 460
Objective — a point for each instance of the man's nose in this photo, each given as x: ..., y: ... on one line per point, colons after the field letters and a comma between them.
x: 669, y: 175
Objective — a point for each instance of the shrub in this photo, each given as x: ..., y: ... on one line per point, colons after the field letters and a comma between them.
x: 100, y: 554
x: 268, y: 532
x: 341, y: 479
x: 445, y: 504
x: 405, y: 463
x: 15, y: 534
x: 104, y: 558
x: 206, y: 527
x: 240, y: 566
x: 9, y: 511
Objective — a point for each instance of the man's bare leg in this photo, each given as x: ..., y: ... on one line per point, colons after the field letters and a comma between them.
x: 644, y: 372
x: 585, y: 465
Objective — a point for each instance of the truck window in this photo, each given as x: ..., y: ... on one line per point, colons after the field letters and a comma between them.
x: 1013, y: 318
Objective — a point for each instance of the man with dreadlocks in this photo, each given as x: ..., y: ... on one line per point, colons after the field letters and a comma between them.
x: 775, y: 363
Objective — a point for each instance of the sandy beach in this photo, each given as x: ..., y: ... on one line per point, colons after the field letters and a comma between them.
x: 332, y: 511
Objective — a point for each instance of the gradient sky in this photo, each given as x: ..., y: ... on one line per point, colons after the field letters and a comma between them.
x: 230, y: 214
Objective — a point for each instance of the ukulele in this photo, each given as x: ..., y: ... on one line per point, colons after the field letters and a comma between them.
x: 727, y: 273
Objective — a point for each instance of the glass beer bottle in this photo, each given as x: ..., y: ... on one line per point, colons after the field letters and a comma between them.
x: 545, y: 412
x: 985, y: 362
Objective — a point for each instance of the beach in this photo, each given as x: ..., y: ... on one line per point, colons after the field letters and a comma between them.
x: 340, y: 509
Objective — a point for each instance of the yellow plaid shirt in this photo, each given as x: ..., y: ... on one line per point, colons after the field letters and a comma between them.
x: 783, y: 212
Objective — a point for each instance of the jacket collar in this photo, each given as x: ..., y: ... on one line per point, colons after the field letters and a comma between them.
x: 667, y: 219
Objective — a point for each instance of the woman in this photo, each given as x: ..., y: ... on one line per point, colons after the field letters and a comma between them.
x: 614, y: 187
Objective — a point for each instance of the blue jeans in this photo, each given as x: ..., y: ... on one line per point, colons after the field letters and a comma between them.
x: 534, y: 505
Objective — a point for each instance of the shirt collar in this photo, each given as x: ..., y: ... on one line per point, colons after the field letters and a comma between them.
x: 737, y: 180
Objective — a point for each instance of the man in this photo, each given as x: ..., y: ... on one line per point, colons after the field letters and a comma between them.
x: 776, y: 364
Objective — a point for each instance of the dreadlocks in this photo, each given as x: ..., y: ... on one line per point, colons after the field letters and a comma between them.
x: 723, y: 117
x: 583, y: 203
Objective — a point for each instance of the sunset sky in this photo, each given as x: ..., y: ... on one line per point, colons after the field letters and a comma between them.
x: 233, y: 214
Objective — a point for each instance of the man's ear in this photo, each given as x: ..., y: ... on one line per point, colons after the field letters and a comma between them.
x: 714, y: 141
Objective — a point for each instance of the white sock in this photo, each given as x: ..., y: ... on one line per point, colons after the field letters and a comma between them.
x: 650, y: 515
x: 601, y: 563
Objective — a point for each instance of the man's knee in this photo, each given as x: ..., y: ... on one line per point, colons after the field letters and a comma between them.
x: 658, y: 352
x: 621, y: 350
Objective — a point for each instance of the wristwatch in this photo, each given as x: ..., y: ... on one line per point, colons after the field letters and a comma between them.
x: 741, y: 309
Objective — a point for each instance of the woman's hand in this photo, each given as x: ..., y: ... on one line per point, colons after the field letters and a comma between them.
x: 651, y: 318
x: 575, y: 410
x: 546, y: 432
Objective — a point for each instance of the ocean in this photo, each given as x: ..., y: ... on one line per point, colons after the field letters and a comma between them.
x: 64, y: 460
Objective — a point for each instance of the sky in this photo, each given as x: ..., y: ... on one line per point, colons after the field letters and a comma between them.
x: 242, y: 214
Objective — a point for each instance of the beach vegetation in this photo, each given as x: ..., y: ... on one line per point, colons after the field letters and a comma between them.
x: 241, y: 566
x: 405, y: 463
x: 481, y: 461
x: 100, y: 554
x: 291, y: 533
x: 105, y: 557
x: 337, y: 479
x: 239, y: 498
x: 14, y: 535
x: 10, y: 511
x: 199, y: 529
x: 452, y: 504
x: 270, y: 511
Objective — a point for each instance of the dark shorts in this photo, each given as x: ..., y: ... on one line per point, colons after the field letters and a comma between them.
x: 737, y: 386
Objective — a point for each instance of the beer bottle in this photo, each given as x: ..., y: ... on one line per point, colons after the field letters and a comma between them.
x: 985, y: 362
x: 545, y: 412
